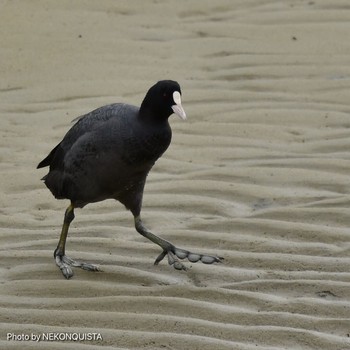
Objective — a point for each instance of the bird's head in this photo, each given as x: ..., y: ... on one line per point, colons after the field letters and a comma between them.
x: 162, y: 100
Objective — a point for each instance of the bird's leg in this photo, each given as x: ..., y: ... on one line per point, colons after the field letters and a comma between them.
x: 62, y: 260
x: 174, y: 253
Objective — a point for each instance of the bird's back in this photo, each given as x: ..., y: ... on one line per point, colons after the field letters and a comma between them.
x: 84, y: 124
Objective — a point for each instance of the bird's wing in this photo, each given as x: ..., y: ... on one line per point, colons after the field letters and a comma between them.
x: 92, y: 121
x: 84, y: 125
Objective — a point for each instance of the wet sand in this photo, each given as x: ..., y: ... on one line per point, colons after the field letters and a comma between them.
x: 259, y: 174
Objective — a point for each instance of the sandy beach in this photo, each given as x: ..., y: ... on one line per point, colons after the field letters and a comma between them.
x: 258, y: 174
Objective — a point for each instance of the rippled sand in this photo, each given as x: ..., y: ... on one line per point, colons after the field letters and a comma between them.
x: 258, y: 174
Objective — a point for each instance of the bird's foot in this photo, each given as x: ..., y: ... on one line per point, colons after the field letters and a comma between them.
x: 65, y: 264
x: 174, y: 254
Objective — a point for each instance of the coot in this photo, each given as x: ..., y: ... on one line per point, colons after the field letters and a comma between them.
x: 108, y: 154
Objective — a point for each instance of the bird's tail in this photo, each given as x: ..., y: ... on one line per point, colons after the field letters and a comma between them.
x: 47, y: 161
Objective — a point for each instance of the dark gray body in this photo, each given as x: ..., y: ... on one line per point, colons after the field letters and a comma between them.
x: 106, y: 154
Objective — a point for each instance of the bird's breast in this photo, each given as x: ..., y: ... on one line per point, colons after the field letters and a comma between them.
x: 145, y: 147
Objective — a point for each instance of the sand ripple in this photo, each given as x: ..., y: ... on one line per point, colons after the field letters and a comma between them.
x: 259, y: 174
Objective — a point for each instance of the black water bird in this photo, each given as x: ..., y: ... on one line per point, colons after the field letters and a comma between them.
x: 108, y: 154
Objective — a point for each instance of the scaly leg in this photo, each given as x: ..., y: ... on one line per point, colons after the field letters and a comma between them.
x: 62, y: 260
x: 173, y: 252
